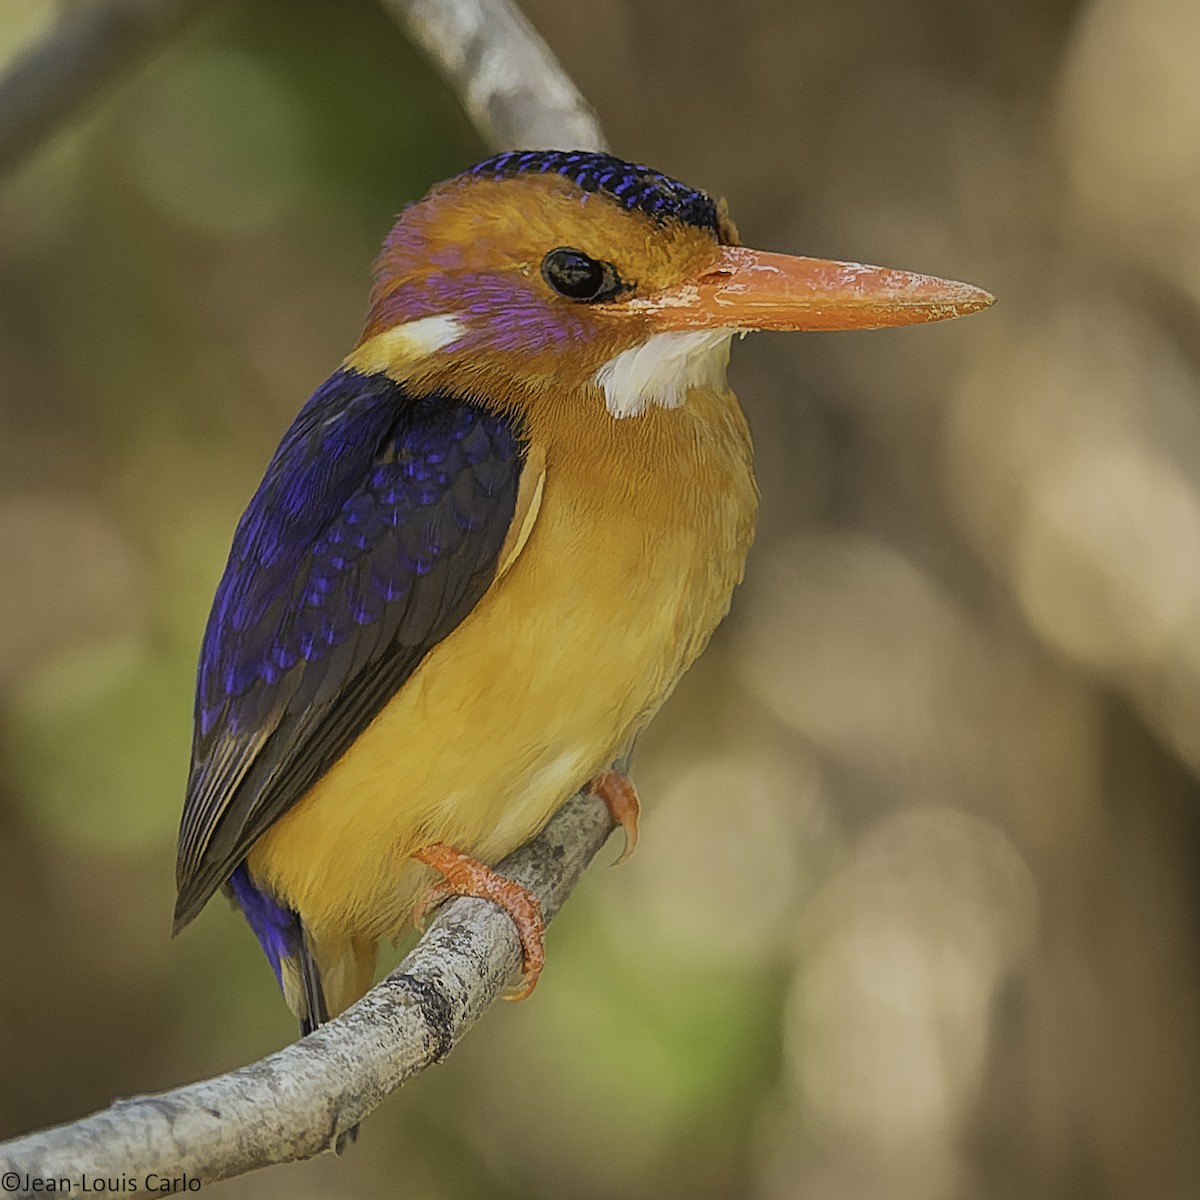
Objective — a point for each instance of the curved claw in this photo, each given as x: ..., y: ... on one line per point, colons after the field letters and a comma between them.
x: 621, y: 799
x: 465, y: 876
x: 429, y: 899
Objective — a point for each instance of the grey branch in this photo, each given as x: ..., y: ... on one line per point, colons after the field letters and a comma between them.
x: 89, y: 47
x: 512, y: 87
x: 510, y: 84
x: 294, y: 1103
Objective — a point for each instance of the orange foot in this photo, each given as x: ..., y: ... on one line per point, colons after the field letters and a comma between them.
x: 621, y: 799
x: 464, y: 876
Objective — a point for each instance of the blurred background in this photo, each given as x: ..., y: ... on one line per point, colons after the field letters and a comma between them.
x: 917, y: 906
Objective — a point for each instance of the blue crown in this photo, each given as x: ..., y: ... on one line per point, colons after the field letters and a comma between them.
x: 631, y: 185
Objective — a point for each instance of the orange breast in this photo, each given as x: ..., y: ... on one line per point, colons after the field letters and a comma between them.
x: 639, y: 540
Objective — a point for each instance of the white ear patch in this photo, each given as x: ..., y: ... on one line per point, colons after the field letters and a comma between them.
x: 663, y: 369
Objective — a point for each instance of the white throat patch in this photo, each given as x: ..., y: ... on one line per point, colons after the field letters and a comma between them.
x: 663, y: 369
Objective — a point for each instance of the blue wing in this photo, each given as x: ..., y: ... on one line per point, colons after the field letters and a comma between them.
x: 376, y: 529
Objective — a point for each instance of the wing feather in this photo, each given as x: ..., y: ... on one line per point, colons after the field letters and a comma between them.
x: 377, y: 528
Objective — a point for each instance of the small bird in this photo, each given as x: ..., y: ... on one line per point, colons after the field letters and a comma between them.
x: 486, y: 550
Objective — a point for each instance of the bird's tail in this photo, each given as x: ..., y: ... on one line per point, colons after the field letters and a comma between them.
x: 300, y: 979
x: 331, y: 971
x: 320, y: 974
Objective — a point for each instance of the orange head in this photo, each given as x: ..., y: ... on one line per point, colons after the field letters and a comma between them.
x: 564, y: 269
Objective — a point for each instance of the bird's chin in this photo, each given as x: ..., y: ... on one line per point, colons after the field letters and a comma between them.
x: 661, y: 370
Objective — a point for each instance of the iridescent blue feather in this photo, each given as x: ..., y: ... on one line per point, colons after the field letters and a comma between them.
x: 632, y: 185
x: 375, y: 530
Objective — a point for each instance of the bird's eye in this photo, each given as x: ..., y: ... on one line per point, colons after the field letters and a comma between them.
x: 578, y: 276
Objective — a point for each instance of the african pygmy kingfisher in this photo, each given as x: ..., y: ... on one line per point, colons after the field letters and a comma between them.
x: 486, y: 550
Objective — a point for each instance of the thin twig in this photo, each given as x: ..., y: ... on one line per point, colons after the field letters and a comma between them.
x: 510, y: 84
x: 294, y: 1103
x: 89, y: 47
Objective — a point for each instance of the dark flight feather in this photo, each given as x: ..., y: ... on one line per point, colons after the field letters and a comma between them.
x: 376, y: 529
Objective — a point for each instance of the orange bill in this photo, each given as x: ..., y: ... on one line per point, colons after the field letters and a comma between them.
x: 751, y: 289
